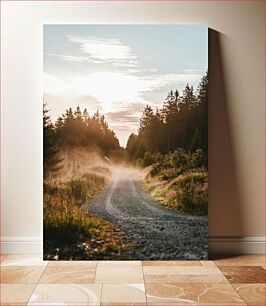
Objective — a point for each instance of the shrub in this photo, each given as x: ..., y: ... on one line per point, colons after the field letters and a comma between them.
x: 148, y: 159
x: 192, y: 193
x: 184, y: 179
x: 180, y: 159
x: 198, y: 159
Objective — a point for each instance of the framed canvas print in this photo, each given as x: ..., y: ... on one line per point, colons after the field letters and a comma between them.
x: 125, y: 142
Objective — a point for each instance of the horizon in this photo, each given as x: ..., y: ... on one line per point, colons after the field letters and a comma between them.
x: 118, y: 69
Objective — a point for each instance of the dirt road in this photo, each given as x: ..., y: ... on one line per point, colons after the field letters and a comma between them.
x: 157, y: 232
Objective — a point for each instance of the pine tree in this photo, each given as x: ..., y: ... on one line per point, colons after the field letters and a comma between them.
x: 146, y: 119
x: 202, y: 98
x: 51, y: 158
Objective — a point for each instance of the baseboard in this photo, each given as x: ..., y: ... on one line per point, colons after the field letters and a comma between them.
x: 21, y: 245
x: 217, y: 245
x: 236, y: 245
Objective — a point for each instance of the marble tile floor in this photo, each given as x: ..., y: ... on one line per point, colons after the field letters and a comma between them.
x: 227, y: 281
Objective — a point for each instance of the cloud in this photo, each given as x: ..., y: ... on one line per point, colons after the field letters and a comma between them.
x: 106, y: 50
x: 125, y: 121
x: 193, y: 71
x: 71, y: 58
x: 129, y: 114
x: 114, y: 89
x: 158, y: 81
x: 54, y: 85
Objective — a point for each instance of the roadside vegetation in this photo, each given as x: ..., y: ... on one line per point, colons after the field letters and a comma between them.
x: 179, y: 180
x: 69, y: 232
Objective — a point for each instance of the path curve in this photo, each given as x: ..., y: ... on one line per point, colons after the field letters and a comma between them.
x: 157, y: 232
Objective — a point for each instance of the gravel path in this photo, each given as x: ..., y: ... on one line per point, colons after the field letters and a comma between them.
x: 157, y: 232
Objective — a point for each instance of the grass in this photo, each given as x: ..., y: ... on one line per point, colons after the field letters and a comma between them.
x: 70, y: 233
x: 179, y: 181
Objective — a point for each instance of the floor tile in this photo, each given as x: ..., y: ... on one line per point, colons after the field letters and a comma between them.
x: 16, y: 293
x: 192, y: 293
x: 24, y: 260
x: 242, y: 260
x: 21, y: 275
x: 123, y: 293
x: 73, y: 294
x: 185, y: 279
x: 171, y: 270
x: 119, y: 274
x: 120, y: 263
x: 251, y: 293
x: 2, y: 256
x: 171, y: 263
x: 195, y: 304
x: 182, y: 275
x: 248, y: 274
x: 68, y: 275
x: 72, y: 263
x: 128, y: 304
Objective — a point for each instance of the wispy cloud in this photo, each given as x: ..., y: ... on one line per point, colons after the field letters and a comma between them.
x: 105, y: 50
x: 71, y: 58
x: 193, y: 71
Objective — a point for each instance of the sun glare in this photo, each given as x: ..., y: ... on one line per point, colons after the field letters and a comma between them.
x: 118, y: 88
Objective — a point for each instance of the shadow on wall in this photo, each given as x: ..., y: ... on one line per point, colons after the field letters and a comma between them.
x: 225, y: 215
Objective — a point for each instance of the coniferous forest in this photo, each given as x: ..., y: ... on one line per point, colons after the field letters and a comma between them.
x: 182, y: 122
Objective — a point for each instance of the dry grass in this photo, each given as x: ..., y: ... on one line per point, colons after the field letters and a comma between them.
x: 70, y: 233
x: 186, y: 193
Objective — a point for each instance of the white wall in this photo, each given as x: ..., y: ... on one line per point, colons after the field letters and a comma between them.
x: 236, y: 124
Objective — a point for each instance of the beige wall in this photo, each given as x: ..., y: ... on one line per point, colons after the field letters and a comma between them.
x: 236, y: 104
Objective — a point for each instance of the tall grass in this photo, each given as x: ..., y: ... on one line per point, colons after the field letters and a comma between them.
x: 70, y: 233
x: 179, y: 180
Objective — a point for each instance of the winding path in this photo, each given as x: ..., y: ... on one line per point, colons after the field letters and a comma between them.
x: 156, y: 232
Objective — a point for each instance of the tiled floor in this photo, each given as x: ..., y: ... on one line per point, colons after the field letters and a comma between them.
x: 27, y: 280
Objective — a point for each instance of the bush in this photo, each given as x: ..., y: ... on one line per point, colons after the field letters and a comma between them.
x: 182, y: 182
x: 199, y: 159
x: 192, y: 194
x: 148, y: 159
x: 181, y: 159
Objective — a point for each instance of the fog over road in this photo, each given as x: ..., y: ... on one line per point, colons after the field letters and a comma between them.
x: 157, y: 232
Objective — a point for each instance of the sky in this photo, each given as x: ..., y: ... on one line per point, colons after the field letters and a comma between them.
x: 118, y: 69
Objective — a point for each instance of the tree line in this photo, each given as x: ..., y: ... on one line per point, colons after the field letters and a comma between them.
x: 75, y: 129
x: 182, y: 122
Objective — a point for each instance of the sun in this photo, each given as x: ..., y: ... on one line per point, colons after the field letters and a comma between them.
x: 111, y: 89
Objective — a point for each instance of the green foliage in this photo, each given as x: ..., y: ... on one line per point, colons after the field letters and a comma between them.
x: 70, y: 233
x: 148, y: 159
x: 78, y: 129
x: 178, y: 161
x: 181, y: 123
x: 192, y: 193
x: 51, y: 158
x: 179, y: 181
